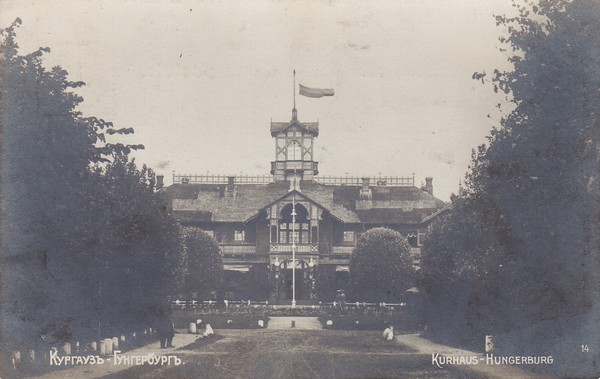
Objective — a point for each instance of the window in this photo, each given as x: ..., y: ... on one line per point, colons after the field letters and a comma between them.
x: 349, y: 236
x: 294, y: 152
x: 314, y: 235
x: 239, y: 236
x: 283, y: 236
x: 294, y: 237
x: 288, y: 231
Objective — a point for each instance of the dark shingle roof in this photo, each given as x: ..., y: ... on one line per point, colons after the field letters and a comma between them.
x: 212, y: 202
x: 242, y: 204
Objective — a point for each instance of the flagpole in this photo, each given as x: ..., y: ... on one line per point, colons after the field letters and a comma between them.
x: 294, y: 112
x: 294, y: 249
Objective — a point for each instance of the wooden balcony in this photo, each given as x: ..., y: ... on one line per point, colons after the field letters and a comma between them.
x: 287, y: 248
x: 238, y: 249
x: 347, y: 250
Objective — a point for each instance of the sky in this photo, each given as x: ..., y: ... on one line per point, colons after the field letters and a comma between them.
x: 200, y: 81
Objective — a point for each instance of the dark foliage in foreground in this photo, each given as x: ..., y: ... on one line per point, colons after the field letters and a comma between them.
x: 87, y: 245
x: 520, y: 246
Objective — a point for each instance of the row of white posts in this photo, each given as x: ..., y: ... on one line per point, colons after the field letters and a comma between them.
x: 104, y: 347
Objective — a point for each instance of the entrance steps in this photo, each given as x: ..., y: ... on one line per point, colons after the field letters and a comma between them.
x: 306, y: 323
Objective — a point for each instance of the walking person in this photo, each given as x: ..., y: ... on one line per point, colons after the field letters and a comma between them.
x: 166, y: 331
x: 170, y: 332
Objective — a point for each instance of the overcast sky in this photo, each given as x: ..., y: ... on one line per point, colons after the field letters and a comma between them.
x: 200, y: 81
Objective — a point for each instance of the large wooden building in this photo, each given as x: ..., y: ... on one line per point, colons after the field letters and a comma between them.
x: 260, y: 221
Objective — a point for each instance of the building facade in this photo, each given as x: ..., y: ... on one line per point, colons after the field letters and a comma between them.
x: 266, y: 224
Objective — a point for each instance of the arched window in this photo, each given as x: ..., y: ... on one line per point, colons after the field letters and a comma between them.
x: 288, y: 231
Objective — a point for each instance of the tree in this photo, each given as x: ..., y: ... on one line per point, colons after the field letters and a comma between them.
x: 534, y: 186
x: 462, y: 266
x: 540, y: 162
x: 381, y: 267
x: 202, y: 261
x: 83, y: 235
x: 133, y: 241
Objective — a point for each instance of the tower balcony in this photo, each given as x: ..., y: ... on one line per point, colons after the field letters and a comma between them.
x: 295, y: 165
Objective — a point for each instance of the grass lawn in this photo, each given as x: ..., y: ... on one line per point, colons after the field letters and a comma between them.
x: 297, y: 354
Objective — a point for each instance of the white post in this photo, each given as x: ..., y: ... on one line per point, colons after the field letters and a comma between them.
x: 66, y: 348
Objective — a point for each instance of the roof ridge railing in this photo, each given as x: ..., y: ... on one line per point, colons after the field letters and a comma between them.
x: 388, y: 181
x: 222, y: 179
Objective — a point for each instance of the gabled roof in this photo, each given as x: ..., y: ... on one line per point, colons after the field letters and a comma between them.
x: 389, y: 205
x: 336, y: 212
x: 309, y: 127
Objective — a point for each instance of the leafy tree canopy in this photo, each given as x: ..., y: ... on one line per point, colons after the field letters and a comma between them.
x: 381, y: 267
x: 524, y: 232
x: 86, y: 242
x: 202, y: 261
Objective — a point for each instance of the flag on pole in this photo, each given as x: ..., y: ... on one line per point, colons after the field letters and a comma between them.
x: 315, y: 92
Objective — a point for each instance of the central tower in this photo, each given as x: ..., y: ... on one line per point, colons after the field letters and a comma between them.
x: 294, y: 149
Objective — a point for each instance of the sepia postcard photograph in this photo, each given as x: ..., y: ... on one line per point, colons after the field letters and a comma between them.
x: 299, y: 189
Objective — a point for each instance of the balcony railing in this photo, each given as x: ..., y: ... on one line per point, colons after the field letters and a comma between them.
x: 383, y: 181
x: 294, y: 165
x: 238, y: 249
x: 222, y: 179
x: 342, y: 249
x: 388, y: 181
x: 287, y: 248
